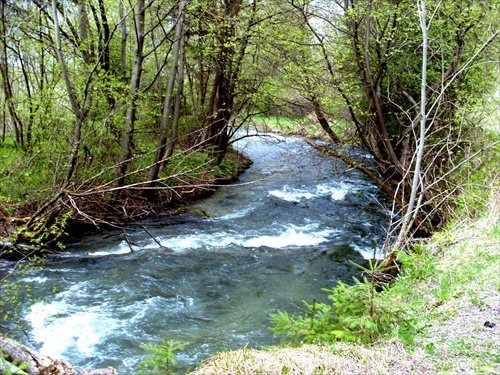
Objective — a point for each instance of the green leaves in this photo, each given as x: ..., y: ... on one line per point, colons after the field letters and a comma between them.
x: 356, y: 313
x: 11, y: 368
x: 162, y: 359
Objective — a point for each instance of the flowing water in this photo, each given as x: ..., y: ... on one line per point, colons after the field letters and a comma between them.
x: 284, y: 231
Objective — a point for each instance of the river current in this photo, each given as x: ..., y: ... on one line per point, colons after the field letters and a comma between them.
x: 286, y: 229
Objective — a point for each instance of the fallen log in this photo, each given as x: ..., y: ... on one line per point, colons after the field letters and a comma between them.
x: 14, y: 355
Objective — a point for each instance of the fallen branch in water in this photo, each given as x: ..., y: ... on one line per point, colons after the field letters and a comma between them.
x: 17, y: 251
x: 153, y: 237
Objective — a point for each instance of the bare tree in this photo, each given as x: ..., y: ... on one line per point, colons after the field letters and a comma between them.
x: 412, y: 211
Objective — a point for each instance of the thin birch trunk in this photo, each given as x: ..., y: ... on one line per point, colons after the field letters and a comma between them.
x: 413, y: 207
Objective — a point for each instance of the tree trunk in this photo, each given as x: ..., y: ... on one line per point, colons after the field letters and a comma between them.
x: 135, y: 83
x: 380, y: 183
x: 167, y: 107
x: 6, y: 83
x: 178, y: 101
x: 83, y: 31
x: 412, y: 209
x: 123, y: 26
x: 323, y: 121
x: 77, y: 130
x: 105, y: 54
x: 228, y: 67
x: 16, y: 354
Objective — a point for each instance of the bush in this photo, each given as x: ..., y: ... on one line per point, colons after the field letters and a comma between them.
x: 364, y: 312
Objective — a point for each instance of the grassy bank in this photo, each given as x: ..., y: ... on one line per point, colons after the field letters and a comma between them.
x: 449, y: 289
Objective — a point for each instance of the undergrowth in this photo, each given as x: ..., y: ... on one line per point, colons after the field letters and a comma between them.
x: 363, y: 312
x: 447, y: 289
x: 161, y: 360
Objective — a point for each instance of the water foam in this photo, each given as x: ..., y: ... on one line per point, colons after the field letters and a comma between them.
x: 122, y: 248
x: 308, y: 235
x: 198, y: 241
x: 291, y: 237
x: 367, y: 252
x: 238, y: 214
x: 58, y: 329
x: 290, y: 194
x: 335, y: 192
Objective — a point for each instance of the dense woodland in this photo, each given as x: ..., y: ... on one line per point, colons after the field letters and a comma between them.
x: 111, y: 109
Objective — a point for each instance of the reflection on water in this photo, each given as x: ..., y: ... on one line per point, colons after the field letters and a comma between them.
x: 268, y: 245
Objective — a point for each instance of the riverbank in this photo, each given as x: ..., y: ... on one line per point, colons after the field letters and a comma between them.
x: 100, y: 211
x: 450, y: 288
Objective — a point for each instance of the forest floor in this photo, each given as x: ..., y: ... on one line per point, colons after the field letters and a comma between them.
x: 455, y: 293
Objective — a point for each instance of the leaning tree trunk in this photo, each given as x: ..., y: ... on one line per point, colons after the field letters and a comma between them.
x: 323, y: 121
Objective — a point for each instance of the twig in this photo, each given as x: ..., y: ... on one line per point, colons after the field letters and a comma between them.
x: 153, y: 237
x: 129, y: 243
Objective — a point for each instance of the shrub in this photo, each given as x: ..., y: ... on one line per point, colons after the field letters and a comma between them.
x: 162, y: 359
x: 364, y: 311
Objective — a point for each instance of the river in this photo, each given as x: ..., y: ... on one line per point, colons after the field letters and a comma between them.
x: 276, y: 237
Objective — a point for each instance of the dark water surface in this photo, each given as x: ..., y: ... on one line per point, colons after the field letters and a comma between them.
x: 288, y: 230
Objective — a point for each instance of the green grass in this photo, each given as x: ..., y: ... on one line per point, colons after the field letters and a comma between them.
x: 277, y: 123
x: 305, y: 126
x: 11, y: 158
x: 458, y: 296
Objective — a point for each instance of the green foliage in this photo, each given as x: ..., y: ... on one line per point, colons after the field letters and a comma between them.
x: 418, y: 265
x: 27, y: 175
x: 476, y: 179
x: 11, y: 368
x: 12, y: 291
x: 356, y: 313
x: 162, y: 359
x: 277, y: 123
x: 48, y: 231
x: 436, y: 280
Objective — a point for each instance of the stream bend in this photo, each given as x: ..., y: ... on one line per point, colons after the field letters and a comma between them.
x: 267, y: 245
